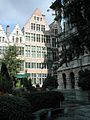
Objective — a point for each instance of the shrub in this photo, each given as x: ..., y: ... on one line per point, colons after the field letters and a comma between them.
x: 47, y: 99
x: 85, y: 83
x: 28, y: 86
x: 84, y: 80
x: 14, y: 108
x: 5, y: 80
x: 5, y: 85
x: 50, y: 83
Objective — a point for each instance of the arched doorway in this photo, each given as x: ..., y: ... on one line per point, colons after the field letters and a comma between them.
x: 64, y: 80
x: 72, y: 80
x: 80, y: 74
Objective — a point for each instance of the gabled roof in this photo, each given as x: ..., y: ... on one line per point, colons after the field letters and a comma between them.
x: 1, y: 29
x: 2, y: 32
x: 37, y: 12
x: 17, y: 28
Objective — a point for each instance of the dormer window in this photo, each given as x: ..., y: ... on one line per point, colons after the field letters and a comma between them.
x: 17, y: 32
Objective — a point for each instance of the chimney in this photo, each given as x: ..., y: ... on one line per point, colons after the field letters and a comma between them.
x: 7, y: 30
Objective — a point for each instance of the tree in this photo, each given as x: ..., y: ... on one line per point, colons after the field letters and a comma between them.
x: 5, y: 80
x: 84, y: 80
x: 79, y: 16
x: 11, y: 60
x: 50, y: 82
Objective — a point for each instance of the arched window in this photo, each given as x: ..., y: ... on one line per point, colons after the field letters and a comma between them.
x: 64, y: 80
x: 72, y: 78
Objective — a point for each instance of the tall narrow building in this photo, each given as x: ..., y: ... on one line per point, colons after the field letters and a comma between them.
x: 17, y: 38
x: 37, y: 47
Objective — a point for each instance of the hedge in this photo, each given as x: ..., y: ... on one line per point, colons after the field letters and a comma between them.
x: 14, y: 108
x: 47, y: 99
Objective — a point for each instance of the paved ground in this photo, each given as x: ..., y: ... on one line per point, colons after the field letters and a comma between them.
x: 75, y: 108
x: 79, y: 113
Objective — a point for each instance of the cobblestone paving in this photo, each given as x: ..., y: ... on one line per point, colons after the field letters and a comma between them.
x: 75, y: 109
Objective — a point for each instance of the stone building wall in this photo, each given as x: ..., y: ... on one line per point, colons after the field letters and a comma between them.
x: 67, y: 72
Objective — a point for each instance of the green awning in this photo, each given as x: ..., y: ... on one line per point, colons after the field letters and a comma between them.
x: 21, y: 75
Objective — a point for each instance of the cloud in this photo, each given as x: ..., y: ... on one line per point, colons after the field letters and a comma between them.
x: 18, y: 11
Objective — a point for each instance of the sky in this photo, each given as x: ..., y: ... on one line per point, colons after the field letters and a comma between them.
x: 14, y: 12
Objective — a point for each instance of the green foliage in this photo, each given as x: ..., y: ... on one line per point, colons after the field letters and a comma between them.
x: 10, y: 59
x: 50, y: 82
x: 84, y: 80
x: 27, y: 84
x: 14, y: 108
x: 48, y: 99
x: 5, y: 85
x: 5, y: 81
x: 4, y: 71
x: 79, y: 17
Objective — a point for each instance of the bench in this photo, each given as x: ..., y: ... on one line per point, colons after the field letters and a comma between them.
x: 47, y: 113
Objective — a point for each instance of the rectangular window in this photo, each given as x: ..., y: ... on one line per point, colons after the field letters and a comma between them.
x: 20, y: 50
x: 38, y: 27
x: 53, y: 42
x: 0, y: 39
x: 33, y: 65
x: 17, y: 32
x: 33, y: 51
x: 13, y: 38
x: 33, y: 37
x: 20, y: 39
x: 42, y: 27
x: 47, y: 38
x: 40, y: 19
x: 16, y: 39
x: 27, y: 36
x: 37, y: 18
x: 27, y: 51
x: 44, y: 52
x: 56, y: 31
x: 38, y: 52
x: 2, y: 49
x: 32, y: 26
x: 38, y: 37
x: 34, y: 17
x: 3, y: 39
x: 42, y: 38
x: 49, y: 53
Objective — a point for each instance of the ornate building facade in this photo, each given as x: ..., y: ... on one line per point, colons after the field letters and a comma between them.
x: 73, y: 28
